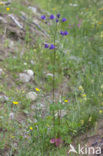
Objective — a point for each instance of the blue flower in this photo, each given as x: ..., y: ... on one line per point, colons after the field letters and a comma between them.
x: 66, y: 33
x: 46, y: 45
x: 43, y: 17
x: 52, y: 46
x: 62, y: 33
x: 58, y: 15
x: 64, y: 19
x: 52, y: 16
x: 57, y: 20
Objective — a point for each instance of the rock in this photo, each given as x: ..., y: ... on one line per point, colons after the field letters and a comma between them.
x: 36, y: 21
x: 16, y: 21
x: 11, y: 44
x: 3, y: 98
x: 11, y: 115
x: 33, y: 9
x: 26, y: 76
x: 49, y: 75
x: 29, y: 72
x: 1, y: 71
x: 2, y: 20
x: 32, y: 96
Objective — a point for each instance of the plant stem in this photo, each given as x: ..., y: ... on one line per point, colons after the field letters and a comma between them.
x: 54, y: 63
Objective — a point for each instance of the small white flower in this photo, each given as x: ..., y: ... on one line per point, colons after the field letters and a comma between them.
x: 25, y: 63
x: 11, y: 115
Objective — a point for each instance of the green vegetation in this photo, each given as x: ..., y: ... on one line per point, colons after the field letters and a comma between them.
x: 78, y: 79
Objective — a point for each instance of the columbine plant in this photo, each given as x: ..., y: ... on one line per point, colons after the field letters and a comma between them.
x: 55, y: 23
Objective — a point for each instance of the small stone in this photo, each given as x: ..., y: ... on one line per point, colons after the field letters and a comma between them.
x: 32, y: 96
x: 34, y: 10
x: 36, y: 21
x: 24, y: 77
x: 2, y: 20
x: 1, y: 71
x: 11, y: 44
x: 49, y: 74
x: 6, y: 98
x: 29, y: 72
x: 3, y: 98
x: 16, y: 21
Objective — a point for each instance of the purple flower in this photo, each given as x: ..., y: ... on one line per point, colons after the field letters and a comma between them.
x: 52, y: 46
x: 52, y: 16
x: 52, y: 141
x: 46, y: 45
x: 64, y: 19
x: 66, y: 33
x: 79, y: 25
x: 62, y: 33
x: 56, y: 141
x: 57, y: 20
x: 58, y: 15
x: 43, y: 17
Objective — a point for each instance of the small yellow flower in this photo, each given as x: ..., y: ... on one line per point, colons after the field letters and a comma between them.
x: 37, y: 89
x: 84, y: 95
x: 7, y: 9
x: 100, y: 9
x: 34, y: 50
x: 65, y: 100
x: 54, y: 9
x: 31, y: 128
x: 82, y: 122
x: 100, y: 111
x: 12, y: 137
x: 80, y: 88
x: 90, y: 119
x: 99, y: 23
x: 15, y: 102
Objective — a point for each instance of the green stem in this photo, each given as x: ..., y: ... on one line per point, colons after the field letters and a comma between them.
x: 54, y: 63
